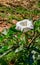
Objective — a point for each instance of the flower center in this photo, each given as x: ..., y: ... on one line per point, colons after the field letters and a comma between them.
x: 23, y: 23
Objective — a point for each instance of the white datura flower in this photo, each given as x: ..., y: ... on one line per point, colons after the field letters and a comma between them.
x: 24, y: 25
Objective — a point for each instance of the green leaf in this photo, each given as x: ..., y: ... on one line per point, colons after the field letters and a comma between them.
x: 37, y: 26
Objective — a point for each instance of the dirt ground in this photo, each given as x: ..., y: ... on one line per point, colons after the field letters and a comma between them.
x: 28, y: 4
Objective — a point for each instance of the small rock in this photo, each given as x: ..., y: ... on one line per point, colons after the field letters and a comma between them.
x: 14, y: 22
x: 4, y: 32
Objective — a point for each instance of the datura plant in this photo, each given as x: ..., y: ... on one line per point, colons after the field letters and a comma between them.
x: 21, y: 44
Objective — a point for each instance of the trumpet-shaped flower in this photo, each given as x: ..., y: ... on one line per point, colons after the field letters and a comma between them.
x: 24, y: 25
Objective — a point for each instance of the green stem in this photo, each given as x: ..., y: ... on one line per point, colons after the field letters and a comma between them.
x: 26, y: 38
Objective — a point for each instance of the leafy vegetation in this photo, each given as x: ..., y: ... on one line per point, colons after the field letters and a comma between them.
x: 16, y: 47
